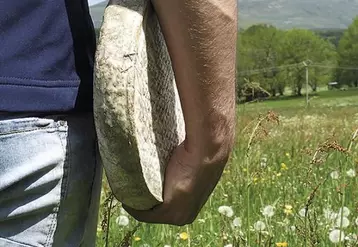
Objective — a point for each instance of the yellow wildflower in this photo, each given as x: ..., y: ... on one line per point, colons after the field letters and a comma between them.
x: 288, y: 209
x: 137, y: 238
x: 278, y: 174
x: 283, y: 244
x: 245, y: 170
x: 184, y: 236
x: 288, y: 155
x: 284, y: 167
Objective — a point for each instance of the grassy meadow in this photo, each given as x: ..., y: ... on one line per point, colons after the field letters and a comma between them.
x: 291, y: 181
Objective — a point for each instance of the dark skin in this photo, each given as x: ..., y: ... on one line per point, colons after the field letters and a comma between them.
x: 201, y: 39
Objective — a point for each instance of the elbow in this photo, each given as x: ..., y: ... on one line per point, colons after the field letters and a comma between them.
x: 221, y: 144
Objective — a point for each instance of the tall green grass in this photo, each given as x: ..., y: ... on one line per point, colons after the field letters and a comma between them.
x: 300, y: 169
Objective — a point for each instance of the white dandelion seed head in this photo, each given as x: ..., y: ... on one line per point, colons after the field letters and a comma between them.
x: 345, y: 211
x: 268, y: 211
x: 344, y: 222
x: 302, y: 212
x: 226, y: 210
x: 351, y: 173
x: 236, y: 222
x: 335, y: 175
x: 259, y: 226
x: 336, y: 236
x: 122, y: 220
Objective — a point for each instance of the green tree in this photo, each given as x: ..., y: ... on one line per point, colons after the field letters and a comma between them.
x: 269, y: 53
x: 348, y: 55
x: 258, y: 49
x: 303, y: 45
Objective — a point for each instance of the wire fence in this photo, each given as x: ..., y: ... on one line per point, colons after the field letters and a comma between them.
x: 295, y: 65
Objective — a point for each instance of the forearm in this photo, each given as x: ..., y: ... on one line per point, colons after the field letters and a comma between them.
x: 201, y: 38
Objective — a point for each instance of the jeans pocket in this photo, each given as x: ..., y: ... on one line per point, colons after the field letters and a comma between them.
x: 32, y: 178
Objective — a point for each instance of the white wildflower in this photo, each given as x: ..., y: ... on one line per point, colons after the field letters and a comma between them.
x: 344, y: 222
x: 268, y: 211
x: 228, y: 245
x: 345, y: 211
x: 226, y: 210
x: 336, y: 236
x: 122, y: 220
x: 167, y: 245
x: 335, y: 175
x: 351, y: 173
x: 356, y: 221
x: 302, y: 212
x: 263, y: 161
x: 293, y: 228
x: 236, y: 222
x: 259, y: 226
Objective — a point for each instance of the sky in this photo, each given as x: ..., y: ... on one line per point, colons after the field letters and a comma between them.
x: 93, y: 2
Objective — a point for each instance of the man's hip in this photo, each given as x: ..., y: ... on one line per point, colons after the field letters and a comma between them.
x: 50, y: 178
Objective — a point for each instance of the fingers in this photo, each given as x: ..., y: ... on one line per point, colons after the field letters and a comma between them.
x: 160, y: 215
x: 153, y: 216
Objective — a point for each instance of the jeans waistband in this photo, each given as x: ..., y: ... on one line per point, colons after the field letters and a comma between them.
x: 13, y: 115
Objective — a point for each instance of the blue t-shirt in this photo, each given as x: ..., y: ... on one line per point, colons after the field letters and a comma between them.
x: 46, y: 56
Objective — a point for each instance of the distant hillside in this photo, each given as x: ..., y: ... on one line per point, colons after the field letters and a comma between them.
x: 311, y: 14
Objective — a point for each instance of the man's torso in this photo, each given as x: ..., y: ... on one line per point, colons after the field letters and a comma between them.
x: 46, y: 56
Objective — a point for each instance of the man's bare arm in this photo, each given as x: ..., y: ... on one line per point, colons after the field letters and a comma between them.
x: 201, y: 38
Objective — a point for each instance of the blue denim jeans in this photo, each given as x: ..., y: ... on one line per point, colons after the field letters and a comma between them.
x: 50, y: 181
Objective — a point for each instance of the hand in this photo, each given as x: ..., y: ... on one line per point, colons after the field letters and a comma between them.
x: 189, y: 181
